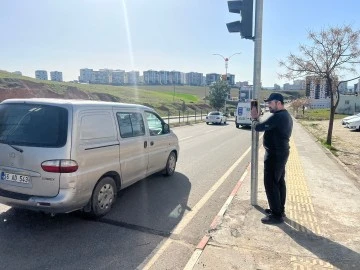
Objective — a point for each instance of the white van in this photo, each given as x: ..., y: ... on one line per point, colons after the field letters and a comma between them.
x: 242, y: 115
x: 58, y: 156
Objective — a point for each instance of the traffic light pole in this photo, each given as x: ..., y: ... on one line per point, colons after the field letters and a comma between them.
x: 256, y: 90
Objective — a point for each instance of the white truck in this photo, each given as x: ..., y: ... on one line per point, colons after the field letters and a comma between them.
x: 242, y: 114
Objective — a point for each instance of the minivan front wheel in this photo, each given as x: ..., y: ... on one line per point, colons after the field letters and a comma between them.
x: 103, y: 197
x: 170, y: 164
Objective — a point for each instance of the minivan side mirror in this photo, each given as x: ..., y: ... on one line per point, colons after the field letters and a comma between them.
x: 166, y: 128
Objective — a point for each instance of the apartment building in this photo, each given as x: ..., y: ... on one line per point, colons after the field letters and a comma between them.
x: 277, y: 87
x: 177, y: 77
x: 85, y: 75
x: 194, y: 78
x: 132, y: 77
x: 231, y: 79
x: 151, y: 77
x: 154, y: 77
x: 118, y: 77
x: 318, y: 92
x: 164, y: 77
x: 296, y: 86
x: 56, y: 76
x: 41, y: 75
x: 103, y: 76
x: 212, y: 77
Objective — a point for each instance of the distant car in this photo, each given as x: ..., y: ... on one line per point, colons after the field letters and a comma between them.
x: 353, y: 123
x: 216, y: 118
x: 346, y: 119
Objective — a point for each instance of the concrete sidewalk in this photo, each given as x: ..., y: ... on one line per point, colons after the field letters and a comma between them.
x: 322, y: 228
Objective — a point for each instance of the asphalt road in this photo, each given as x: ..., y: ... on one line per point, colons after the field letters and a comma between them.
x: 155, y: 224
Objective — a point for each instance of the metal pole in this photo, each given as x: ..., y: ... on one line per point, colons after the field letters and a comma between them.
x: 256, y: 90
x: 174, y: 93
x: 205, y: 94
x: 226, y: 68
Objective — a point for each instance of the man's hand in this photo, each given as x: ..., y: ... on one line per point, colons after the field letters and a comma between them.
x: 254, y: 113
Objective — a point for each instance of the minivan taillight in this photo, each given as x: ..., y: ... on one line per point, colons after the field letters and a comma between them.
x: 60, y: 166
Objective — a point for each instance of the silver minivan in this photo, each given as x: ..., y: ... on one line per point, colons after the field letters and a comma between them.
x: 58, y: 155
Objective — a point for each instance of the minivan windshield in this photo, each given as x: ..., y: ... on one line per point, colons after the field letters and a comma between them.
x: 33, y: 125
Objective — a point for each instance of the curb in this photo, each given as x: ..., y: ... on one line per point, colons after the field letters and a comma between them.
x: 216, y: 221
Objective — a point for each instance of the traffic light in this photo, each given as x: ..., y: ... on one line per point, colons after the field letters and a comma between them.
x: 245, y: 8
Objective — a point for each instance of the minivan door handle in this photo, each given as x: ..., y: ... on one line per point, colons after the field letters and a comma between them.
x: 151, y: 143
x: 145, y: 144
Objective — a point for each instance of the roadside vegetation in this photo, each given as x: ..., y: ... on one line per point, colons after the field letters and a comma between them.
x: 317, y: 115
x: 310, y: 119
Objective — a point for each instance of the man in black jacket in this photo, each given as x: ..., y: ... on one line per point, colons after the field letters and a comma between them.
x: 278, y: 128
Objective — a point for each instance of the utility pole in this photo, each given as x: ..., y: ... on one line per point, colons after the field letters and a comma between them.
x: 256, y: 90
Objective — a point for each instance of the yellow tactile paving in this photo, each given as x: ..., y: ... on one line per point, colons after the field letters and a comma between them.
x: 300, y: 210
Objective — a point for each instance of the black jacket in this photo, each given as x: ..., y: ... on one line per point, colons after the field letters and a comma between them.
x: 278, y: 128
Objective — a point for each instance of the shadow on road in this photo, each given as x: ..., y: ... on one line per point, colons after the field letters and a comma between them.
x: 157, y: 202
x: 143, y: 215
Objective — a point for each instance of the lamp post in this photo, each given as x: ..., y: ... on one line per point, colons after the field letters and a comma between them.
x: 226, y: 59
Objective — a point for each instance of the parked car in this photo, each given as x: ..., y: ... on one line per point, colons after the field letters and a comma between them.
x: 57, y: 156
x: 346, y: 119
x: 353, y: 123
x: 216, y: 118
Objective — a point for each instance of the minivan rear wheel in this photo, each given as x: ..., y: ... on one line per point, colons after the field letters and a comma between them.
x: 170, y: 164
x: 103, y: 197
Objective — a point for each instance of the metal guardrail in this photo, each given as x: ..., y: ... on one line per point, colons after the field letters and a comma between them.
x: 185, y: 117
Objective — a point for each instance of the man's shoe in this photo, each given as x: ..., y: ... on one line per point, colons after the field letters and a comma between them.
x: 268, y: 212
x: 271, y: 219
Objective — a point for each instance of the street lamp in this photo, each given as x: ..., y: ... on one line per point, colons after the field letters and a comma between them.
x: 226, y: 65
x: 226, y: 61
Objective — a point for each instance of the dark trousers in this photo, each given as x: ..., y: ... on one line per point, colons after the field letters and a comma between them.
x: 274, y: 179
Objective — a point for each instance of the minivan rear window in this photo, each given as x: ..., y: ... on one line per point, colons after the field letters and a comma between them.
x: 33, y: 125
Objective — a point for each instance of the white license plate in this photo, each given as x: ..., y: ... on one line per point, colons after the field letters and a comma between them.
x: 15, y: 177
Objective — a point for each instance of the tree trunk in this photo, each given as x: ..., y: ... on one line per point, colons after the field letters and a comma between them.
x: 332, y: 113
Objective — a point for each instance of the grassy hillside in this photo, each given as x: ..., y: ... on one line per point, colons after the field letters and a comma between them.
x: 162, y: 98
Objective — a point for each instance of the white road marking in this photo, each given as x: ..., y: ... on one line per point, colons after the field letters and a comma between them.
x: 185, y: 138
x: 188, y: 217
x: 211, y: 130
x: 193, y: 260
x: 4, y: 208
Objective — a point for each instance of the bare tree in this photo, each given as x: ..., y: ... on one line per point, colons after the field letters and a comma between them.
x: 334, y: 52
x: 299, y: 103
